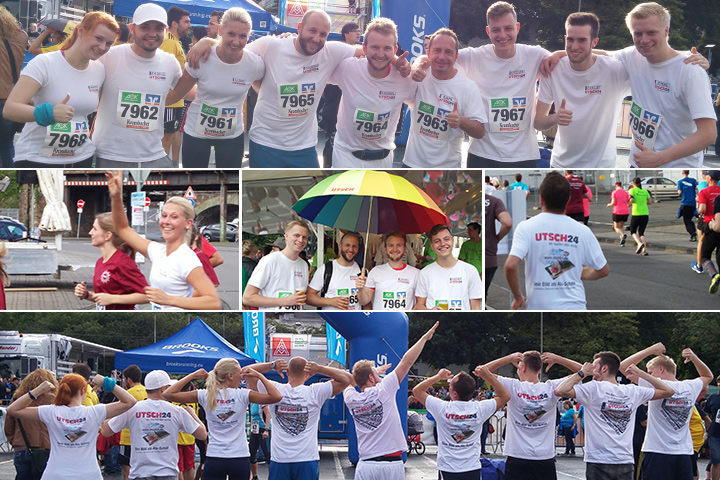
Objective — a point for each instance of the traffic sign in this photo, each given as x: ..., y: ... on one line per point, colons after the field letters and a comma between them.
x: 80, y: 203
x: 137, y: 199
x: 189, y: 194
x: 147, y: 201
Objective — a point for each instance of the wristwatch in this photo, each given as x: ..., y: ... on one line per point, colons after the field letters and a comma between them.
x: 272, y: 365
x: 581, y: 374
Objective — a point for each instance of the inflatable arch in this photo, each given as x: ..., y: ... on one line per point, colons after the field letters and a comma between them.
x: 378, y: 336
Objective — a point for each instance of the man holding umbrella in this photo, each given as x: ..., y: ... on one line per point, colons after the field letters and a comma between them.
x: 448, y: 283
x: 279, y: 281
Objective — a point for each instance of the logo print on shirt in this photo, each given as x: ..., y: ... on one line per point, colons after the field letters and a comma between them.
x: 157, y: 75
x: 105, y: 276
x: 662, y: 86
x: 516, y: 73
x: 557, y: 263
x: 676, y: 411
x: 369, y: 416
x: 293, y: 419
x: 311, y: 68
x: 155, y: 433
x: 616, y: 415
x: 386, y: 95
x: 593, y: 89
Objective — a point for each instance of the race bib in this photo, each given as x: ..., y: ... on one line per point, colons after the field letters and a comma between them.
x: 291, y: 307
x: 138, y: 110
x: 370, y: 125
x: 394, y: 300
x: 64, y: 139
x: 508, y: 114
x: 155, y: 306
x: 295, y: 100
x: 99, y: 307
x: 449, y: 304
x: 430, y: 121
x: 352, y: 294
x: 216, y: 121
x: 644, y: 125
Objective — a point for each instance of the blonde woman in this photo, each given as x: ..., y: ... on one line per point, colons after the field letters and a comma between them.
x: 177, y: 278
x: 118, y: 282
x: 35, y: 430
x: 72, y: 427
x: 228, y: 455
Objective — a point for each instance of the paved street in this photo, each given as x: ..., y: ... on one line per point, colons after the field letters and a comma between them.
x: 80, y: 256
x: 661, y: 281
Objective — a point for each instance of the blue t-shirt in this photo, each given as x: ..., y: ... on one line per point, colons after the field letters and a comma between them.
x: 518, y: 186
x: 687, y: 186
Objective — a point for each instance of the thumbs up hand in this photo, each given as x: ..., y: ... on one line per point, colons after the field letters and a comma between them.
x: 453, y: 118
x: 564, y: 116
x: 62, y: 112
x: 402, y: 64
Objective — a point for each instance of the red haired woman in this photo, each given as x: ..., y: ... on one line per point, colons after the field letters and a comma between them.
x: 72, y: 427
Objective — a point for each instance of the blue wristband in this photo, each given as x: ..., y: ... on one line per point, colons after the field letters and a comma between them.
x: 109, y: 384
x: 44, y: 114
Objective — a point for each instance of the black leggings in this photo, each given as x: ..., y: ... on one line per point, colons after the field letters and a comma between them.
x: 638, y: 224
x: 226, y: 468
x: 256, y: 440
x: 710, y: 242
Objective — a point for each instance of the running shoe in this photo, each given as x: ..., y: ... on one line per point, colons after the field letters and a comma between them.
x: 623, y: 240
x: 644, y: 250
x: 693, y: 238
x: 714, y: 284
x: 639, y: 248
x: 697, y: 268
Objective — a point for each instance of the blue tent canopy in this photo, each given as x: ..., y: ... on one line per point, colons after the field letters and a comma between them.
x: 200, y: 10
x: 195, y: 346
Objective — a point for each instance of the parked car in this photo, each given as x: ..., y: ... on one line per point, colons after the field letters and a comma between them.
x: 212, y: 232
x: 660, y: 186
x: 12, y: 230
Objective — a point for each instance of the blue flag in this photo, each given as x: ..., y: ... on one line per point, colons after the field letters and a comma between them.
x: 335, y: 345
x: 254, y: 323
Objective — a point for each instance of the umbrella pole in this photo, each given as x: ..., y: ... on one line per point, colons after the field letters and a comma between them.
x: 367, y: 236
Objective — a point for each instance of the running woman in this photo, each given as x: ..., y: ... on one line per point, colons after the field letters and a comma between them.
x: 619, y: 199
x: 639, y: 199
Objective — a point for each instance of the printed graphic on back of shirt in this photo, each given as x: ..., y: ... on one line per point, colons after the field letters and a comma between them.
x: 557, y: 262
x: 73, y: 434
x: 154, y: 433
x: 369, y: 416
x: 533, y: 412
x: 461, y: 432
x: 676, y: 411
x: 616, y: 415
x: 225, y: 409
x: 293, y: 419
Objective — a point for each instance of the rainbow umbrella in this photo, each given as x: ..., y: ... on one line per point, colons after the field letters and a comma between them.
x: 370, y: 201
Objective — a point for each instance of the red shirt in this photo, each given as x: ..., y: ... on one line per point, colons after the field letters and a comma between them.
x: 120, y: 275
x: 207, y: 266
x: 707, y: 197
x: 577, y: 193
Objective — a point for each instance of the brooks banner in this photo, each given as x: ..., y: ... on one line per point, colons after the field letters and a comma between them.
x: 335, y: 345
x: 254, y: 323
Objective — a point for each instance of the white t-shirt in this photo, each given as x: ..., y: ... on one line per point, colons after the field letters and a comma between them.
x: 507, y: 86
x: 459, y: 425
x: 295, y: 421
x: 555, y: 248
x: 61, y: 142
x: 377, y: 420
x: 393, y: 289
x: 668, y: 424
x: 531, y: 417
x: 370, y: 107
x: 610, y: 411
x: 595, y: 98
x: 431, y: 142
x: 226, y: 424
x: 277, y: 276
x: 342, y: 283
x: 454, y: 286
x: 677, y: 92
x: 130, y: 119
x: 222, y: 88
x: 169, y: 272
x: 154, y: 426
x: 73, y: 433
x: 284, y: 116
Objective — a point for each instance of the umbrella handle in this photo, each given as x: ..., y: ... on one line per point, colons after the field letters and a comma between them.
x: 367, y: 233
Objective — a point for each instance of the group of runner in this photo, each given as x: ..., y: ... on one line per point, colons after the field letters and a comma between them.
x: 486, y: 92
x: 280, y: 281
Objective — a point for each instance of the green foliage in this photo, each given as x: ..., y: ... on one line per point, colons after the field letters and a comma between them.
x: 261, y: 240
x: 11, y: 196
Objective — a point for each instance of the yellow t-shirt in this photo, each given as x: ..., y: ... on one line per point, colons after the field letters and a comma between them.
x: 51, y: 48
x: 91, y: 398
x: 187, y: 438
x: 173, y: 46
x: 697, y: 430
x: 139, y: 393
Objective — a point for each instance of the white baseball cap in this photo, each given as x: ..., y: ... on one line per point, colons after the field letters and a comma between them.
x: 157, y: 379
x: 148, y: 12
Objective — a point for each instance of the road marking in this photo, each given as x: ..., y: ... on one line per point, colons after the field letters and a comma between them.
x: 338, y: 465
x: 6, y: 461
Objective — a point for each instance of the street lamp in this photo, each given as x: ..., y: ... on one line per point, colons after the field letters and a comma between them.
x: 710, y: 47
